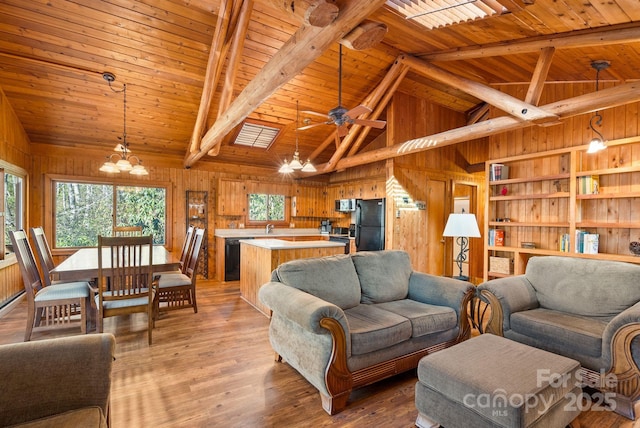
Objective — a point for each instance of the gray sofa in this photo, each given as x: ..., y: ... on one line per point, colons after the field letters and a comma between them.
x: 349, y: 320
x: 584, y: 309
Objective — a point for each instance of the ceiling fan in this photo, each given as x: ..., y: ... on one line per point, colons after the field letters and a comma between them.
x: 342, y: 117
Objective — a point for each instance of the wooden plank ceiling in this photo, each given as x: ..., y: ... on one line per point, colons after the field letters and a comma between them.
x: 53, y: 54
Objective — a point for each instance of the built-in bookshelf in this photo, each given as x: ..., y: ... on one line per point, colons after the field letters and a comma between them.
x: 562, y: 202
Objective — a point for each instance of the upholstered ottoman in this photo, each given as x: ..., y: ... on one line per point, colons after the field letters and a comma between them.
x: 490, y: 381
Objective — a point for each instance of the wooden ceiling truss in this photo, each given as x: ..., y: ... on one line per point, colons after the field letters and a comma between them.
x: 521, y: 113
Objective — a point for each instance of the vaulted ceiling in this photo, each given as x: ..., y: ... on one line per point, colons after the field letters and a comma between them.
x: 53, y: 54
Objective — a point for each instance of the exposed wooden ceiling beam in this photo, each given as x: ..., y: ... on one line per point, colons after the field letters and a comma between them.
x: 539, y: 76
x: 235, y: 57
x: 306, y: 45
x: 515, y: 107
x: 603, y: 99
x: 217, y: 53
x: 615, y: 34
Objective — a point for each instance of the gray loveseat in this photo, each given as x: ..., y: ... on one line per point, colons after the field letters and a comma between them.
x: 349, y: 320
x: 584, y: 309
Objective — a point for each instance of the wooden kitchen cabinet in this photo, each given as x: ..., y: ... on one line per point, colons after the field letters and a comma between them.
x: 232, y: 197
x: 308, y: 201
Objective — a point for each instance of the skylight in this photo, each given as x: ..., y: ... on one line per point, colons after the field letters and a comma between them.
x: 255, y: 135
x: 440, y: 13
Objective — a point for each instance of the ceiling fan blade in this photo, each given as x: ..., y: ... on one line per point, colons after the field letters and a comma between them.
x: 357, y: 111
x: 313, y: 125
x: 314, y: 113
x: 342, y: 130
x: 372, y: 123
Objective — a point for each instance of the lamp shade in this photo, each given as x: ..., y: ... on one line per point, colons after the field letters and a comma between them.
x: 462, y: 225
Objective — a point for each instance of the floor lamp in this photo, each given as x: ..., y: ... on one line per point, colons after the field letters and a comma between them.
x: 462, y: 226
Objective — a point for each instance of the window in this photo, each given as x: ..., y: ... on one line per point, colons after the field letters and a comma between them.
x: 265, y: 208
x: 12, y: 189
x: 85, y: 210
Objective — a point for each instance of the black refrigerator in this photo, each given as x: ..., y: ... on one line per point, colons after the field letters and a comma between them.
x: 369, y: 224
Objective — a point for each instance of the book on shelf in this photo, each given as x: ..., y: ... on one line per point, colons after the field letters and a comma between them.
x: 498, y: 171
x: 586, y: 243
x: 588, y: 184
x: 496, y: 237
x: 564, y: 243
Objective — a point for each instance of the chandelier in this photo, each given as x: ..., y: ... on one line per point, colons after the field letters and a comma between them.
x: 597, y: 143
x: 122, y: 160
x: 295, y: 164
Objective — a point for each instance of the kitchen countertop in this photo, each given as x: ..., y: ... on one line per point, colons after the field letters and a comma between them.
x: 279, y: 244
x: 252, y: 233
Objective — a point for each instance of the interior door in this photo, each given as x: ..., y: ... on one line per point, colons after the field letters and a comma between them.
x: 437, y: 213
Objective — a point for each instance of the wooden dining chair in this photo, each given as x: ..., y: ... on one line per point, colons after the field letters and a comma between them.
x: 43, y: 252
x: 178, y: 290
x: 125, y: 278
x: 56, y: 305
x: 127, y: 231
x: 184, y: 253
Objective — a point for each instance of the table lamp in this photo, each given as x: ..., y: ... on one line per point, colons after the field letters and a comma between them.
x: 462, y: 226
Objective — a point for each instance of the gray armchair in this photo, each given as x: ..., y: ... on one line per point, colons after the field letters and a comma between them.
x: 584, y: 309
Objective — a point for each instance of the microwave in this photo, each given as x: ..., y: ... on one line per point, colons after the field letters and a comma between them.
x: 345, y: 205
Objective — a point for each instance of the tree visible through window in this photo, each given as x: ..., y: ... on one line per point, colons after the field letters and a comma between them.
x: 12, y: 206
x: 266, y: 208
x: 85, y: 210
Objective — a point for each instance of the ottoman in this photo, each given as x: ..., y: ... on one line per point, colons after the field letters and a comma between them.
x: 490, y: 381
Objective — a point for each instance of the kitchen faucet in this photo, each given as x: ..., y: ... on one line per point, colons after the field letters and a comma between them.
x: 269, y: 228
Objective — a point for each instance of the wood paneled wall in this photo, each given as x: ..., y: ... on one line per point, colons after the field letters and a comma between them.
x: 618, y: 122
x: 432, y: 176
x: 14, y: 150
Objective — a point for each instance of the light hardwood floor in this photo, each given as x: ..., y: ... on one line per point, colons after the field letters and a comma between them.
x: 216, y: 369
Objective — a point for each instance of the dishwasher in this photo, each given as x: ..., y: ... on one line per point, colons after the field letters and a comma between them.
x: 232, y: 259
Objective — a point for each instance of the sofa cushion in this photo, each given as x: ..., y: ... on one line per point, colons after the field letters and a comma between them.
x: 373, y: 328
x: 331, y: 278
x: 384, y: 275
x: 584, y: 286
x: 557, y: 329
x: 424, y: 318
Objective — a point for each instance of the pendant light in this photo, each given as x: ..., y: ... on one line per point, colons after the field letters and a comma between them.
x: 124, y: 160
x: 597, y: 143
x: 295, y: 164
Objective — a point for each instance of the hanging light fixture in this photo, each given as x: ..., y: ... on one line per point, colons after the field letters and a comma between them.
x: 122, y: 160
x: 295, y: 164
x: 597, y: 143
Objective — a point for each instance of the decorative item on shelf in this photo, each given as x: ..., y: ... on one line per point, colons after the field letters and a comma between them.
x: 462, y: 226
x: 634, y: 247
x: 124, y: 160
x: 597, y: 143
x: 504, y: 191
x: 295, y: 164
x: 528, y: 245
x: 503, y: 265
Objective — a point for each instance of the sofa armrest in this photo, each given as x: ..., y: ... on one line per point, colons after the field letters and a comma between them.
x: 300, y: 307
x: 438, y: 290
x: 506, y: 296
x: 52, y: 376
x: 615, y: 341
x: 443, y: 291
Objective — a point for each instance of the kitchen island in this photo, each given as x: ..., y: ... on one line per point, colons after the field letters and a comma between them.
x: 259, y: 257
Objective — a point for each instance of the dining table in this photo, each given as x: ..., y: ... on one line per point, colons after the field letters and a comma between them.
x: 84, y: 263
